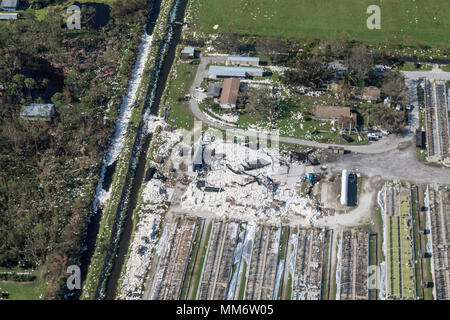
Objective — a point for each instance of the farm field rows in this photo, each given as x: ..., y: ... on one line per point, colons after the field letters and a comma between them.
x: 439, y: 201
x: 401, y: 282
x: 309, y: 265
x: 354, y: 265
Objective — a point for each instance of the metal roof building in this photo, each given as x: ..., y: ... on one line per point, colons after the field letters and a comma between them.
x: 10, y: 5
x: 238, y: 60
x: 236, y: 72
x: 8, y: 16
x: 35, y: 111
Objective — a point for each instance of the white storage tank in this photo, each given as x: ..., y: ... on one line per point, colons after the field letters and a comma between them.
x: 344, y: 187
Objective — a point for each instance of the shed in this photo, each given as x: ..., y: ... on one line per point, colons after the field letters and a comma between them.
x: 242, y: 61
x: 230, y: 92
x: 38, y: 112
x: 8, y: 16
x: 188, y: 52
x: 420, y: 139
x: 235, y: 72
x: 330, y: 112
x: 10, y: 5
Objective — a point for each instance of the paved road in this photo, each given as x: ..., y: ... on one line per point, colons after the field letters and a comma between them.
x: 436, y: 74
x: 384, y: 145
x: 387, y: 158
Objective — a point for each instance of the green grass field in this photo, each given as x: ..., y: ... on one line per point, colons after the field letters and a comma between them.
x: 401, y: 280
x: 24, y: 290
x: 180, y: 115
x: 408, y: 21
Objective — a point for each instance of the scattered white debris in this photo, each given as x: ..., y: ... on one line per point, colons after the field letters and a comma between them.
x: 243, y: 193
x: 124, y: 117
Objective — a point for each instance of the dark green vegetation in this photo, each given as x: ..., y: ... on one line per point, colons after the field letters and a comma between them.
x: 48, y: 171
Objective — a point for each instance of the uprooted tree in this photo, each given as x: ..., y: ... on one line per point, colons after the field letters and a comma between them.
x: 359, y: 61
x: 394, y: 86
x: 310, y: 71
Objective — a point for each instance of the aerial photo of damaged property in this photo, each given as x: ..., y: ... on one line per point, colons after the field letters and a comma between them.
x: 197, y: 150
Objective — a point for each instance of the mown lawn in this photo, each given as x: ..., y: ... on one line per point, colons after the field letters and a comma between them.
x: 409, y: 21
x: 24, y: 290
x: 286, y: 120
x: 180, y: 115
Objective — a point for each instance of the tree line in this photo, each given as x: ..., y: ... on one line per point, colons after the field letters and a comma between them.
x: 48, y: 171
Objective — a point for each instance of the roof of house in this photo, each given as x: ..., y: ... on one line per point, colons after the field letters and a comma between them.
x: 371, y: 91
x: 214, y: 89
x: 240, y: 58
x: 230, y: 91
x: 37, y: 110
x: 330, y: 112
x: 188, y: 50
x: 8, y: 15
x: 10, y: 3
x: 232, y: 71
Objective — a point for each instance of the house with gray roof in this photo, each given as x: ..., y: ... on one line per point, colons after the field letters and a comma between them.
x: 38, y: 112
x: 216, y: 72
x: 214, y: 90
x: 10, y: 5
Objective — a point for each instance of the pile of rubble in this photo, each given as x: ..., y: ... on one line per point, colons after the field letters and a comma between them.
x: 241, y: 182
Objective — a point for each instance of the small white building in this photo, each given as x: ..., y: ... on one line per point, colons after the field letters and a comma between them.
x: 8, y: 16
x: 344, y: 187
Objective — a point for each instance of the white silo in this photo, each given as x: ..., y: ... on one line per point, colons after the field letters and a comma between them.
x: 344, y: 187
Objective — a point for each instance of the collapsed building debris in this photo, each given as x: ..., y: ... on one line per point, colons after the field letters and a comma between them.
x: 239, y: 181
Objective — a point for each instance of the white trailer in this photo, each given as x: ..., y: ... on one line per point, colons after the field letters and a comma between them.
x: 344, y: 187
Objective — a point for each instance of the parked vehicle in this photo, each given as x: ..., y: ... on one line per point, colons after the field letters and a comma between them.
x: 347, y: 138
